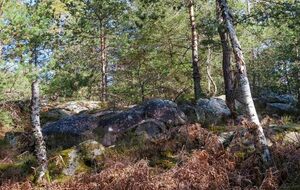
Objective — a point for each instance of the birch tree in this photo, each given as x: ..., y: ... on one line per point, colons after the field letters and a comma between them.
x: 245, y: 96
x: 226, y: 63
x: 32, y: 37
x: 195, y: 54
x: 40, y: 146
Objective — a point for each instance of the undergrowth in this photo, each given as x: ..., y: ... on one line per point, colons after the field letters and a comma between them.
x: 188, y: 157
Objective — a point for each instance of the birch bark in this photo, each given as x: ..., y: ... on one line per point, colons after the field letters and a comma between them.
x: 40, y: 147
x: 195, y: 54
x: 244, y: 87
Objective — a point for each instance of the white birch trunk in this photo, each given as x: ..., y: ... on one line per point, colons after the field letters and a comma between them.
x: 40, y: 147
x: 245, y: 92
x: 195, y: 54
x: 103, y: 60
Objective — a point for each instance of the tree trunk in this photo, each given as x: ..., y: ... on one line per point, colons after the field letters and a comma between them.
x: 298, y: 84
x: 248, y: 6
x: 245, y: 92
x: 286, y: 73
x: 40, y: 146
x: 195, y: 56
x: 210, y: 79
x: 226, y: 64
x: 103, y: 59
x: 299, y: 98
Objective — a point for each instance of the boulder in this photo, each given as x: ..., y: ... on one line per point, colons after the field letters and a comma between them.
x: 281, y: 108
x: 69, y: 131
x: 165, y: 111
x: 278, y: 98
x: 54, y: 115
x: 207, y: 111
x: 212, y: 111
x: 106, y: 125
x: 76, y: 107
x: 162, y: 111
x: 90, y: 151
x: 77, y: 159
x: 120, y: 121
x: 191, y: 113
x: 277, y: 103
x: 150, y: 128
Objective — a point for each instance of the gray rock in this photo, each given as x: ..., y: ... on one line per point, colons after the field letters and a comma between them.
x: 76, y: 107
x: 90, y: 150
x: 69, y: 131
x: 207, y: 111
x: 160, y: 110
x: 281, y: 108
x: 165, y: 111
x: 73, y: 163
x: 192, y: 113
x: 214, y: 111
x: 279, y: 98
x: 54, y: 115
x: 105, y: 125
x: 151, y: 128
x: 87, y: 152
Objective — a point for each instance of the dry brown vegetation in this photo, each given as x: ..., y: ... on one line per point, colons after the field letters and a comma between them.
x: 192, y: 159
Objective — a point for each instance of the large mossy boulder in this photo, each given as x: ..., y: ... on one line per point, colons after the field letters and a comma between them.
x: 90, y: 151
x: 76, y: 159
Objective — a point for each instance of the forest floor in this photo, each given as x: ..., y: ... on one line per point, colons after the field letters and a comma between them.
x: 186, y: 157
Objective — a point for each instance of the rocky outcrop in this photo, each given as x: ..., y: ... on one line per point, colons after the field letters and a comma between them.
x: 277, y: 98
x: 160, y: 111
x: 150, y: 128
x: 54, y: 114
x: 78, y: 158
x: 214, y: 109
x: 281, y: 108
x: 90, y: 151
x: 207, y: 111
x: 151, y: 116
x: 280, y: 104
x: 69, y: 131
